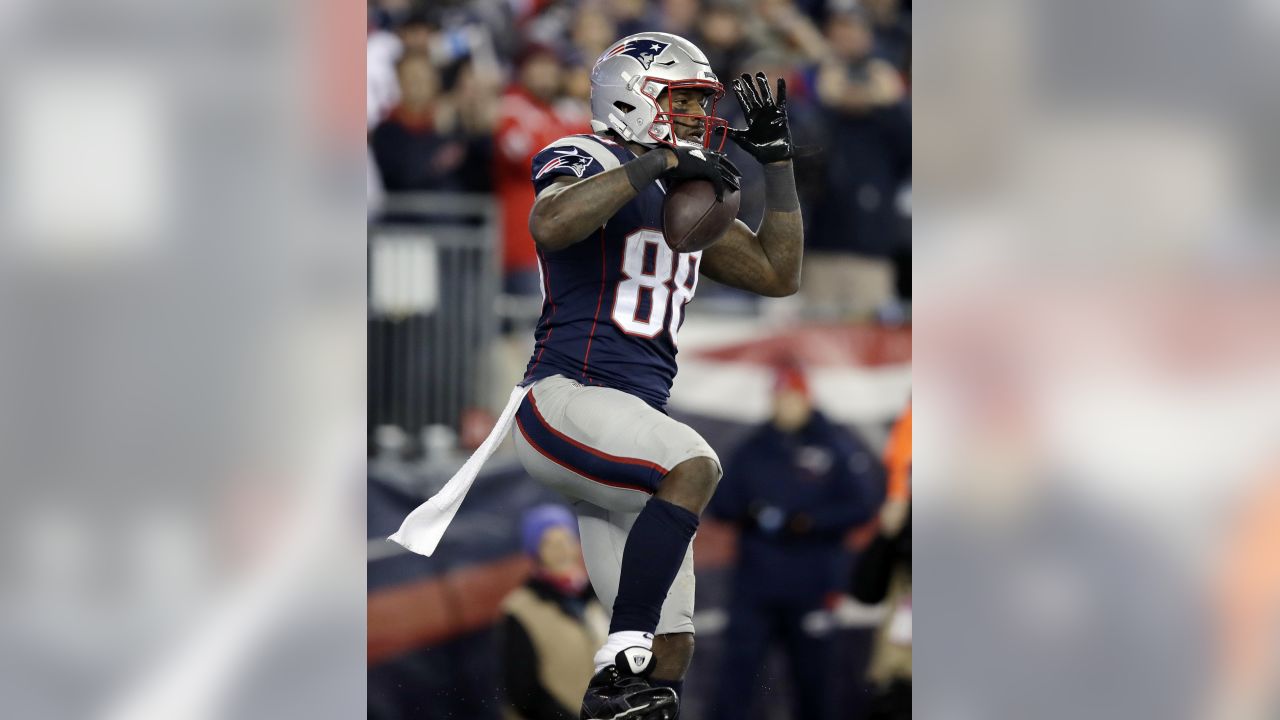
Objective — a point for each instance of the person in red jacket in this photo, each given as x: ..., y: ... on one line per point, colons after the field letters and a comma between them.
x: 533, y: 113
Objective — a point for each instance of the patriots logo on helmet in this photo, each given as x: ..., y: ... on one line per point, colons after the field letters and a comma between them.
x: 569, y: 159
x: 645, y: 51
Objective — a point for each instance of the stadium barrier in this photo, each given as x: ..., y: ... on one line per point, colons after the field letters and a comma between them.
x: 433, y: 294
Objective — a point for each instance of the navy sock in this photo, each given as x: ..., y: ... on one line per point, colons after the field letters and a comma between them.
x: 650, y: 560
x: 679, y: 686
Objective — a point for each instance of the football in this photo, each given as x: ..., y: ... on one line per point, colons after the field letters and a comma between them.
x: 692, y: 218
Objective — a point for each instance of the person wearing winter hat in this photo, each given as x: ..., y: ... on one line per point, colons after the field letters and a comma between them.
x: 552, y: 624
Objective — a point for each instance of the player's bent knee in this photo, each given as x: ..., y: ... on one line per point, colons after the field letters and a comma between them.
x: 691, y: 484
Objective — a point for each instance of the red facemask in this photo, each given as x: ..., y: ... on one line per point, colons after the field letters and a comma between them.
x: 711, y: 125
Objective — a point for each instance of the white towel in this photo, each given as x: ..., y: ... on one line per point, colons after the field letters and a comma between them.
x: 422, y: 530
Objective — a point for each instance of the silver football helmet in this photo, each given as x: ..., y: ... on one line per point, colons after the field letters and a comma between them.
x: 632, y: 74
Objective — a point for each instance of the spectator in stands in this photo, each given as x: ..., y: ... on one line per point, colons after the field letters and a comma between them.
x: 632, y: 16
x: 474, y: 99
x: 680, y: 17
x: 786, y: 26
x: 813, y: 10
x: 552, y: 624
x: 418, y: 33
x: 855, y: 230
x: 420, y: 146
x: 592, y: 33
x: 393, y: 32
x: 795, y: 487
x: 892, y: 29
x: 722, y: 35
x: 387, y: 13
x: 531, y: 115
x: 577, y: 86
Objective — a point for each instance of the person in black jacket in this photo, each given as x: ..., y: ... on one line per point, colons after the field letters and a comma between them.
x: 795, y: 487
x: 552, y: 624
x: 426, y: 144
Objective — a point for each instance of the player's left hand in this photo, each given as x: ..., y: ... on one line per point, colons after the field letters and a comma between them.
x: 767, y: 135
x: 705, y: 164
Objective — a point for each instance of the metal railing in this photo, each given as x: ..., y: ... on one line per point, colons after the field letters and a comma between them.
x: 433, y: 284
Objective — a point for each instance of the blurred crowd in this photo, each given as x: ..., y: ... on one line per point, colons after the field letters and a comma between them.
x: 462, y: 94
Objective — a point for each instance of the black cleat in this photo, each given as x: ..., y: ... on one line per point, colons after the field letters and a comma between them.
x: 622, y: 691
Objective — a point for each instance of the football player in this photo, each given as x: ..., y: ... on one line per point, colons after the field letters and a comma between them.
x: 593, y: 424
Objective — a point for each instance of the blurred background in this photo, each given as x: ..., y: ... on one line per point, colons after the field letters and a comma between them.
x: 461, y: 96
x: 184, y: 316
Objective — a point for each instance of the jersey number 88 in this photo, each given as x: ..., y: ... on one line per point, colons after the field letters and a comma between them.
x: 653, y: 276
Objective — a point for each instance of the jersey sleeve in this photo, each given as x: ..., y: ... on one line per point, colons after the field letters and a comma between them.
x: 573, y: 156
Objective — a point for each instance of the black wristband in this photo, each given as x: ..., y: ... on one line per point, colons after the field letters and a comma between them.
x: 780, y: 188
x: 645, y: 169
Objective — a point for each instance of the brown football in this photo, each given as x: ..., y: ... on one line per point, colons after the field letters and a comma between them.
x: 692, y: 218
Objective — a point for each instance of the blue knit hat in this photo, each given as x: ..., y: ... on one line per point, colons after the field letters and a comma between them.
x: 538, y: 520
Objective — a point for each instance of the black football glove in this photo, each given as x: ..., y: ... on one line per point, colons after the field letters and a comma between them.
x: 704, y: 164
x: 767, y: 135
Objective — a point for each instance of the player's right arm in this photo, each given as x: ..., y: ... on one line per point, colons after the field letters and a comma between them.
x: 570, y: 209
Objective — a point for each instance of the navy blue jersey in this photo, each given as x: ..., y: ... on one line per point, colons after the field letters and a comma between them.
x: 614, y: 302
